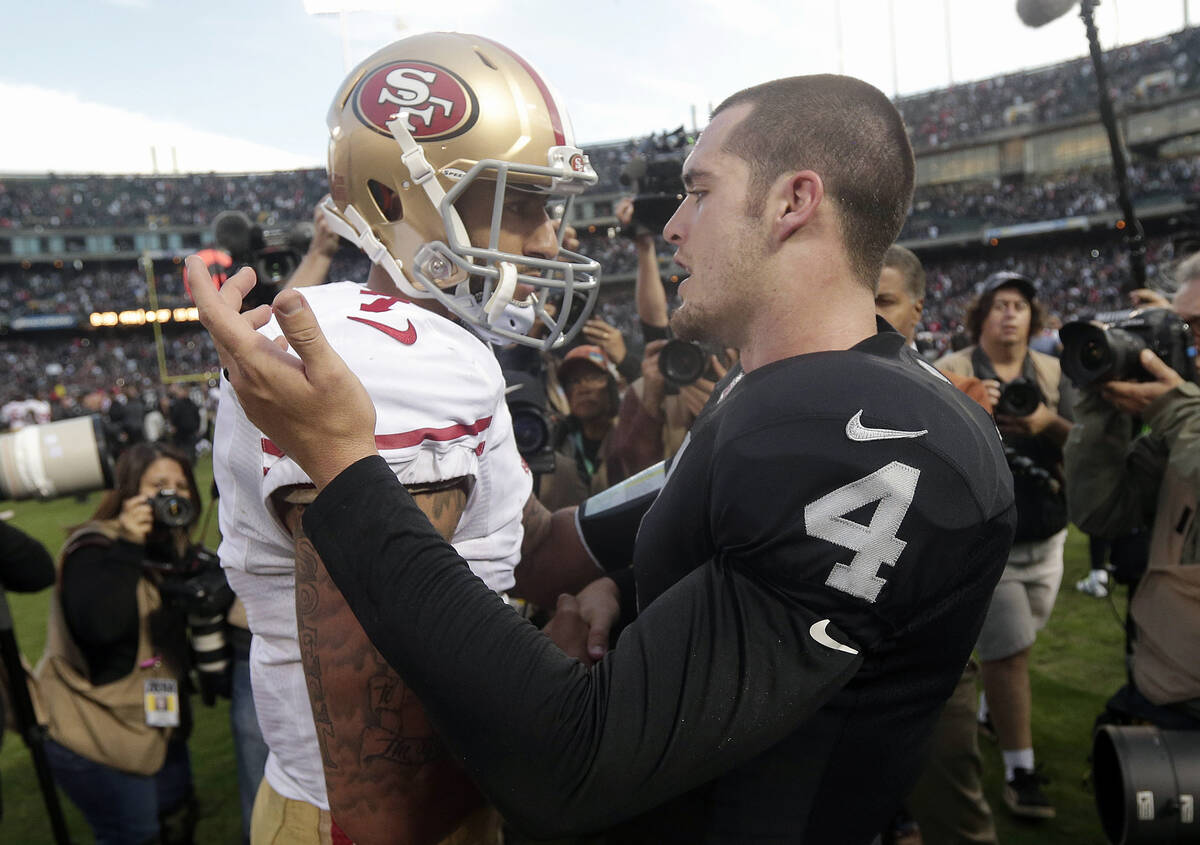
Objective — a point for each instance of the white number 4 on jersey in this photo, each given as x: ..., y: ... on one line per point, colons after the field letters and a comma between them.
x: 876, y: 544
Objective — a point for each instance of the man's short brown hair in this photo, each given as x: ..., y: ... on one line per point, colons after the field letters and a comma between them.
x: 906, y: 263
x: 851, y: 135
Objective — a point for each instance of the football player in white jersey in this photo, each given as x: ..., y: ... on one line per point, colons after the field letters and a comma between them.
x: 446, y: 152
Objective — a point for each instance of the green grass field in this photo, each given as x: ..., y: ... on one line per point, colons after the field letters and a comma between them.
x: 1077, y: 664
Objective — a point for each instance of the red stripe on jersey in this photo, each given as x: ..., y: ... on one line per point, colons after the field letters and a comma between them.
x: 420, y: 435
x: 404, y: 439
x: 394, y: 297
x: 556, y: 124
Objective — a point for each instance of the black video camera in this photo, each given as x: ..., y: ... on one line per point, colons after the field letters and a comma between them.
x: 1019, y: 398
x: 533, y: 428
x: 274, y: 253
x: 655, y: 175
x: 1108, y: 348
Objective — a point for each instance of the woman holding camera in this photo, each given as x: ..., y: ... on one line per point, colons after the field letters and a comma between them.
x: 113, y: 680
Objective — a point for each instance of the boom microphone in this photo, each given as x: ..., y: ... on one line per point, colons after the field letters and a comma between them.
x: 1041, y: 12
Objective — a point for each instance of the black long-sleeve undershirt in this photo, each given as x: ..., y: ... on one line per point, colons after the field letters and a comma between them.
x: 99, y: 599
x: 716, y: 670
x: 25, y: 565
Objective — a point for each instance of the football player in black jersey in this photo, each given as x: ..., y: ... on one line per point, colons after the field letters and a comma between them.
x: 809, y: 581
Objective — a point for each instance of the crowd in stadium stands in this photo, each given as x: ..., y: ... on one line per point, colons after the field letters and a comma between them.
x: 960, y: 206
x: 194, y: 199
x: 1139, y: 74
x: 1073, y: 281
x: 938, y: 210
x: 42, y: 290
x: 62, y: 370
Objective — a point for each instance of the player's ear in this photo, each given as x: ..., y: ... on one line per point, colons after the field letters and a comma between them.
x: 797, y: 196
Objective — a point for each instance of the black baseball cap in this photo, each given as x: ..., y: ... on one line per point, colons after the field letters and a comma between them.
x: 1008, y: 279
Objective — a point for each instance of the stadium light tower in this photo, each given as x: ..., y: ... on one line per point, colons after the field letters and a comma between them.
x: 343, y: 9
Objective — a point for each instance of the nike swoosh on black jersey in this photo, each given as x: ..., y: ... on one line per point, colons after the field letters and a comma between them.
x: 855, y: 430
x: 818, y: 633
x: 406, y: 336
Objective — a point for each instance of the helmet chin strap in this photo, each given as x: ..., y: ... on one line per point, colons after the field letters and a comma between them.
x: 354, y: 228
x: 502, y: 296
x: 423, y: 174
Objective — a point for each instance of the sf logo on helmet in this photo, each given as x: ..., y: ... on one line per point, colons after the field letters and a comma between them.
x: 433, y: 102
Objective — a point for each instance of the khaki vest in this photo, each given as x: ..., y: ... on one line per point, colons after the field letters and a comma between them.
x: 1047, y: 367
x: 1166, y: 665
x: 106, y: 723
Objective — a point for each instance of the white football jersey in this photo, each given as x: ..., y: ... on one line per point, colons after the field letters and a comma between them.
x: 440, y: 415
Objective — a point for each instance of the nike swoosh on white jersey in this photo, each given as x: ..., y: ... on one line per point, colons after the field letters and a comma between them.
x: 818, y: 633
x: 855, y: 430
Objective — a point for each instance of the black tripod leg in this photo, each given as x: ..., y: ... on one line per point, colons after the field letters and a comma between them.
x: 31, y: 732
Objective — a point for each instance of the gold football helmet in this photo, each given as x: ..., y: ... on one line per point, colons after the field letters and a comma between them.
x: 411, y: 128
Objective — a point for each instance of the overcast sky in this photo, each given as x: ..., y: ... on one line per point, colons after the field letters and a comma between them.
x: 94, y: 85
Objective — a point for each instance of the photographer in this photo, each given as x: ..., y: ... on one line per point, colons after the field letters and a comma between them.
x: 581, y: 443
x: 1032, y: 402
x: 1121, y: 482
x: 113, y: 680
x: 653, y: 420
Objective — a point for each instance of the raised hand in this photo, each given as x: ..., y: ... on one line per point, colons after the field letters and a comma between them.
x: 135, y: 520
x: 312, y: 406
x: 1132, y: 397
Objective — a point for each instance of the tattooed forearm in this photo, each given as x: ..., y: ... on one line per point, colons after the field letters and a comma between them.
x: 381, y: 756
x: 307, y: 607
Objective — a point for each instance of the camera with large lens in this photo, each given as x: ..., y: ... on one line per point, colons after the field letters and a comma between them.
x: 533, y: 428
x: 274, y: 253
x: 197, y: 588
x: 682, y: 362
x: 1019, y: 398
x: 655, y: 174
x: 172, y: 509
x: 56, y: 459
x: 1108, y: 347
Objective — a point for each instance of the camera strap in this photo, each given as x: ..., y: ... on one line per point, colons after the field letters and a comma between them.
x: 982, y: 366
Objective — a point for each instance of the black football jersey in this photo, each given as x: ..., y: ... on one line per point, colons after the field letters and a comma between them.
x: 810, y: 581
x: 857, y: 487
